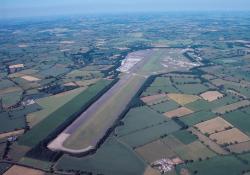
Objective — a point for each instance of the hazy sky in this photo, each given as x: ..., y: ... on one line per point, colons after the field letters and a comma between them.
x: 20, y: 8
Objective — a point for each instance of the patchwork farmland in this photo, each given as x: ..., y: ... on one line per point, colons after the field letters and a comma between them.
x: 148, y: 95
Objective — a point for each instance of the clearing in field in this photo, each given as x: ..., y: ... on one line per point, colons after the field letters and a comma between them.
x: 30, y: 78
x: 183, y: 99
x: 149, y: 100
x: 180, y: 112
x: 214, y: 125
x: 19, y: 170
x: 232, y: 107
x: 155, y: 151
x: 211, y: 95
x: 229, y: 136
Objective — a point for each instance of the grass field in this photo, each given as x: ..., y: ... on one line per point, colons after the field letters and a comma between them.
x: 179, y: 112
x: 214, y: 125
x: 9, y: 124
x: 165, y: 106
x: 160, y: 85
x: 193, y: 89
x: 229, y: 136
x: 185, y: 136
x: 83, y: 75
x: 5, y: 83
x: 155, y: 151
x: 194, y: 151
x: 55, y: 119
x: 184, y: 79
x: 150, y: 134
x: 197, y: 117
x: 183, y: 99
x: 208, y: 142
x: 4, y: 167
x: 218, y: 165
x: 19, y: 170
x: 172, y: 142
x: 154, y: 99
x: 240, y: 147
x: 205, y: 105
x: 51, y: 104
x: 112, y: 158
x: 139, y: 118
x: 211, y: 95
x: 11, y: 98
x: 36, y: 163
x: 240, y: 120
x: 232, y: 107
x: 24, y: 84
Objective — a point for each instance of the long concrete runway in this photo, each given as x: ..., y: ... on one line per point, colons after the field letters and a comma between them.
x: 85, y: 124
x: 58, y: 143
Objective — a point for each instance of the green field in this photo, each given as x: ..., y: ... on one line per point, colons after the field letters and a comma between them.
x: 193, y: 89
x: 8, y: 123
x: 150, y: 134
x: 36, y: 163
x: 185, y: 136
x: 139, y: 118
x: 51, y: 104
x: 240, y: 120
x: 55, y: 119
x: 11, y: 98
x: 4, y: 167
x: 216, y: 166
x: 160, y: 85
x: 5, y: 83
x: 165, y: 106
x: 194, y: 151
x: 197, y: 117
x: 186, y: 79
x: 205, y: 105
x: 113, y: 157
x: 155, y: 151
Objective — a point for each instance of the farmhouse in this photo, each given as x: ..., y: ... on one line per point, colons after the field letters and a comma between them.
x: 15, y: 67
